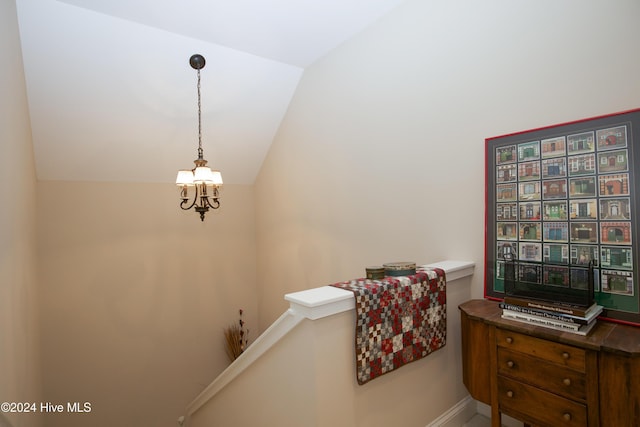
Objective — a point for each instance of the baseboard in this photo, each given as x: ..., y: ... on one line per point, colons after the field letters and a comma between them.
x: 457, y: 415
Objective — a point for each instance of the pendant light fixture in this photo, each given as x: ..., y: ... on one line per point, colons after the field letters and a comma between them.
x: 200, y: 182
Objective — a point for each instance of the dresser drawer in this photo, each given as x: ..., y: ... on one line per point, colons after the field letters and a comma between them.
x: 546, y: 408
x: 551, y: 377
x: 561, y: 354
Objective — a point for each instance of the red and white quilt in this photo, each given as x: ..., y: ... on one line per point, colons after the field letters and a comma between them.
x: 398, y: 320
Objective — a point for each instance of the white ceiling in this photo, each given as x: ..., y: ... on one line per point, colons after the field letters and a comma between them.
x: 112, y: 96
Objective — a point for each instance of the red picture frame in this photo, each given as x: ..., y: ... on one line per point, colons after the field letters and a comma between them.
x: 562, y: 196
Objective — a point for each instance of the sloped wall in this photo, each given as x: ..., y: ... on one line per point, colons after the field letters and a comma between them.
x: 381, y: 154
x: 19, y: 355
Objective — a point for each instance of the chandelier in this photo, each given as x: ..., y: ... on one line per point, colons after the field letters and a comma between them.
x: 200, y: 186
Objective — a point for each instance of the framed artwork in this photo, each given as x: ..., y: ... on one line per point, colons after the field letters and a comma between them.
x: 562, y: 198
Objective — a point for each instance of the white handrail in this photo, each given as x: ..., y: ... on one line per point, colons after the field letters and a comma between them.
x: 310, y: 304
x: 264, y: 342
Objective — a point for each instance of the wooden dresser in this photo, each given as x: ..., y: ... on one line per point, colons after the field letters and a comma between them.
x: 549, y: 378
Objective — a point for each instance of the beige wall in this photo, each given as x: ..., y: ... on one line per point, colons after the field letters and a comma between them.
x: 380, y: 158
x: 19, y: 355
x: 277, y: 390
x: 136, y: 294
x: 381, y: 154
x: 309, y: 379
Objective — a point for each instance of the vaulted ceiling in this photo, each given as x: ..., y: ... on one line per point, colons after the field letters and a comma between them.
x: 112, y: 96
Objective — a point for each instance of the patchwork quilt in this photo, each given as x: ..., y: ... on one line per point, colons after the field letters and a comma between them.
x: 398, y: 320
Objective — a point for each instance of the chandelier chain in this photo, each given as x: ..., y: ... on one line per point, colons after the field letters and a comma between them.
x: 199, y: 120
x: 201, y: 182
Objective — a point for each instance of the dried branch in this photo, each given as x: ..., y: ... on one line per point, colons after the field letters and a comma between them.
x: 237, y: 338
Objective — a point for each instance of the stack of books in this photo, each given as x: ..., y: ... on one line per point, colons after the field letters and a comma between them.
x: 569, y: 318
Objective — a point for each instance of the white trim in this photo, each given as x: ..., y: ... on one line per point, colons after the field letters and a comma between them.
x: 457, y: 415
x: 454, y: 269
x: 310, y: 304
x: 325, y: 301
x: 264, y: 342
x: 321, y: 302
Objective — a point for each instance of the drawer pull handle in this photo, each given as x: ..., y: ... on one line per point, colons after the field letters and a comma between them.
x: 510, y: 363
x: 566, y: 381
x: 509, y: 393
x: 509, y: 340
x: 565, y: 355
x: 567, y: 416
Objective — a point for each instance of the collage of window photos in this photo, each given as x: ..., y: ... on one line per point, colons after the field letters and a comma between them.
x: 566, y: 201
